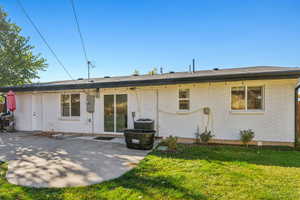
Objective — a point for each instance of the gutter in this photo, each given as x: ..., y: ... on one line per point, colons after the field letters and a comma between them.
x: 154, y: 82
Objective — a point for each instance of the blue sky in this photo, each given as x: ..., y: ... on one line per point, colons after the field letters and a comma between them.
x: 141, y: 34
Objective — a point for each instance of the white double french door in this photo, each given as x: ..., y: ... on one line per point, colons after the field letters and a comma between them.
x: 115, y: 113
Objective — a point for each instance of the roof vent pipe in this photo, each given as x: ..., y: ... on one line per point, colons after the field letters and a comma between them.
x: 193, y: 64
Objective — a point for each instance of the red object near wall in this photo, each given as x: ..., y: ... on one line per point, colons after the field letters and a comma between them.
x: 11, y: 101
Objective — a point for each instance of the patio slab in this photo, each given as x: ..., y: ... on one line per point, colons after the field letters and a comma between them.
x: 38, y: 161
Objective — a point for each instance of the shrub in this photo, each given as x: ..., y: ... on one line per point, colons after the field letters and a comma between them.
x: 247, y: 136
x: 170, y: 142
x: 206, y: 136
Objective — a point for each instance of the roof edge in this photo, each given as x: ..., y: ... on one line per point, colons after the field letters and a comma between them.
x: 154, y: 82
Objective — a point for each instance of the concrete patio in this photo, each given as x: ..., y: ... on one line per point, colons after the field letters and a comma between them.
x: 39, y: 161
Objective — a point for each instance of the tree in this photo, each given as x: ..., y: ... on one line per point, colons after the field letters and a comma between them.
x: 18, y: 64
x: 153, y: 71
x: 136, y: 72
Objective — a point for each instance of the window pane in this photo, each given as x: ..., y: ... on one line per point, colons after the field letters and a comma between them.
x: 121, y: 111
x: 184, y: 93
x: 238, y: 98
x: 184, y: 104
x: 75, y: 105
x: 65, y: 105
x: 109, y: 113
x: 254, y: 98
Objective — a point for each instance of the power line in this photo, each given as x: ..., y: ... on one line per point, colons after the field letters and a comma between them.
x: 81, y: 37
x: 79, y: 30
x: 44, y: 39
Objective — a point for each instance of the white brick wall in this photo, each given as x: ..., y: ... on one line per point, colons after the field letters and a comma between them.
x: 276, y: 123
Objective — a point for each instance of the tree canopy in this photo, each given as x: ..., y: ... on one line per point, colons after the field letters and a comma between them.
x: 136, y: 72
x: 153, y: 71
x: 18, y: 64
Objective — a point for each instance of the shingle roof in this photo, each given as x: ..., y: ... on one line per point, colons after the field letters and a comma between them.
x: 232, y: 74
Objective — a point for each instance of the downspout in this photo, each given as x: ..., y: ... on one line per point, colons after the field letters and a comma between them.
x: 296, y: 115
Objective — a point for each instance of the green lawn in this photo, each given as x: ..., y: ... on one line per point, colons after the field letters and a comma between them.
x: 194, y: 172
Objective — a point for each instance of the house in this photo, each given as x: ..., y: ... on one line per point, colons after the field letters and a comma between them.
x: 258, y: 98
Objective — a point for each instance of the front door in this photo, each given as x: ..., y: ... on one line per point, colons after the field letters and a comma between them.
x: 37, y: 112
x: 115, y: 113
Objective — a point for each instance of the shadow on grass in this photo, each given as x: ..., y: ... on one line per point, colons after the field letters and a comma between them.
x: 151, y: 182
x: 155, y: 187
x: 12, y: 192
x: 269, y: 156
x: 132, y: 184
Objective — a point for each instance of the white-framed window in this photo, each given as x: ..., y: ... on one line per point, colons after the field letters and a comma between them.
x: 244, y: 98
x: 183, y: 99
x: 70, y: 105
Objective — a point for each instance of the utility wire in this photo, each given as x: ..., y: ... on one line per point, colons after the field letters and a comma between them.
x: 79, y: 30
x: 44, y: 39
x: 81, y: 37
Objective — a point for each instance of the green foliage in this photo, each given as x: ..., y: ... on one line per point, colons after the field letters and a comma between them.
x: 2, y: 99
x: 203, y: 137
x: 246, y: 136
x: 153, y: 71
x: 170, y: 142
x: 193, y: 173
x: 206, y: 136
x: 18, y: 64
x: 136, y: 72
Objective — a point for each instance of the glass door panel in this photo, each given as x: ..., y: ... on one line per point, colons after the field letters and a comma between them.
x: 115, y: 113
x: 109, y: 113
x: 121, y: 112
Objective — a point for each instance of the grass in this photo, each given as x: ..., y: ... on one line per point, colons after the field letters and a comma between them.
x: 194, y: 172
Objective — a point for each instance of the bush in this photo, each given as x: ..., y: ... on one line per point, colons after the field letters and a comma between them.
x: 206, y: 136
x: 247, y: 136
x: 170, y: 142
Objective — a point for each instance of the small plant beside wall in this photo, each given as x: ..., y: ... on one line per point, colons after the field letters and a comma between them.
x: 170, y: 142
x: 203, y: 137
x: 247, y: 136
x: 206, y: 136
